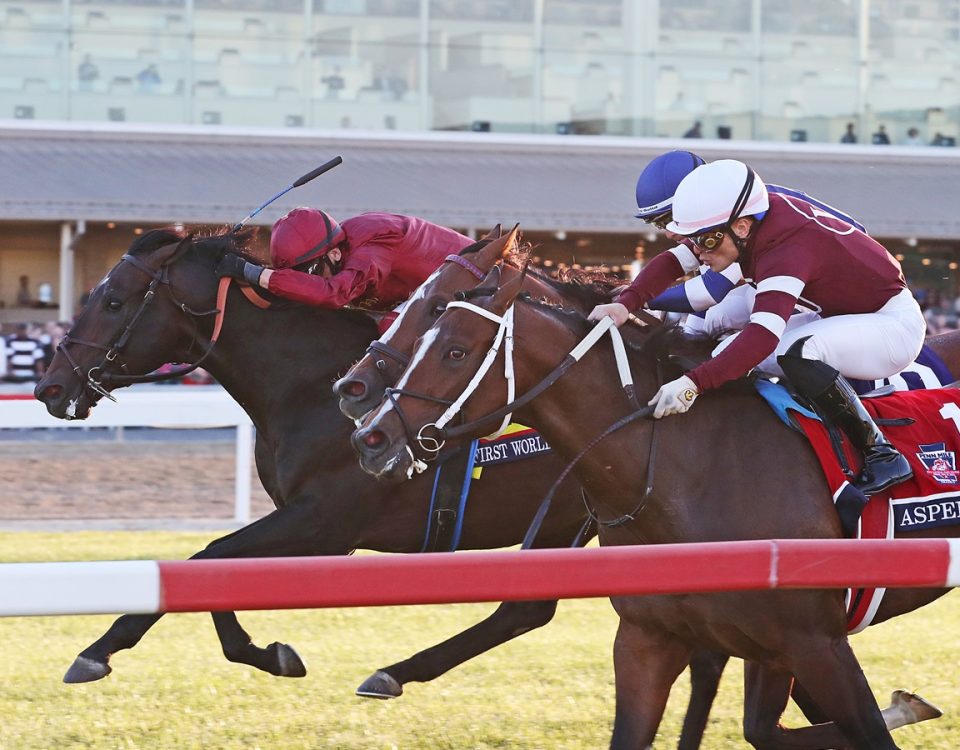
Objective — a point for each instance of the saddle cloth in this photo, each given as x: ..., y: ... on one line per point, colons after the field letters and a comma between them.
x: 924, y: 425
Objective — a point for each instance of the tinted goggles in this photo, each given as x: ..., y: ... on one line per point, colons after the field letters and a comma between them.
x: 710, y: 239
x: 661, y: 220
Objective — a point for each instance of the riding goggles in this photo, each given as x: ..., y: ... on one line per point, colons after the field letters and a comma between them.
x: 661, y: 220
x: 709, y: 239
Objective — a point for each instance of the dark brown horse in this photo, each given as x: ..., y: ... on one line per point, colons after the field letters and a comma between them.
x: 279, y: 365
x: 362, y: 388
x: 641, y: 475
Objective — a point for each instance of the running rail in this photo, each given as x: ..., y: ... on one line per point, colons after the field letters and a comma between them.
x: 147, y: 586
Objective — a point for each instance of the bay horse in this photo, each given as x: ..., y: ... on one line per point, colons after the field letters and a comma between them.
x: 362, y: 389
x: 642, y: 476
x: 279, y: 365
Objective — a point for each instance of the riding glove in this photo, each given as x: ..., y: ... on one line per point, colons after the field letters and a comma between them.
x: 236, y: 267
x: 674, y: 397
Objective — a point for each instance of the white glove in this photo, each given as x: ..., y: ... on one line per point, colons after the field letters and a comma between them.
x: 674, y: 397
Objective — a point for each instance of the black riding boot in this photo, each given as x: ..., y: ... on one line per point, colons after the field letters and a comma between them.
x: 883, y: 464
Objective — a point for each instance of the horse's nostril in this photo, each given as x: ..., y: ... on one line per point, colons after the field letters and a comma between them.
x: 373, y: 439
x: 354, y: 389
x: 50, y: 393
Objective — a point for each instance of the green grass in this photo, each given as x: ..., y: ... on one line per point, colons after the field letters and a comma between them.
x: 552, y: 688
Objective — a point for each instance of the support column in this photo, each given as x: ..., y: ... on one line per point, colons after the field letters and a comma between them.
x: 67, y: 265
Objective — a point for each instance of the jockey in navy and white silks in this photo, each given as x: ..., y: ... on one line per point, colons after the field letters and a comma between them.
x: 697, y: 296
x: 869, y: 325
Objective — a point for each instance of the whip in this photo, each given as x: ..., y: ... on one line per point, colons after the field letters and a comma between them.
x: 301, y: 181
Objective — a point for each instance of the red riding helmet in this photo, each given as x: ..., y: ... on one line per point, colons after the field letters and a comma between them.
x: 303, y: 235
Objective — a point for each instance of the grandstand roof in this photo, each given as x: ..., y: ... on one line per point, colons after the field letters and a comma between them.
x: 194, y: 174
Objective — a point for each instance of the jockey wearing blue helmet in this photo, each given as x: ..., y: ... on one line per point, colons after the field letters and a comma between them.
x: 658, y: 182
x: 655, y: 190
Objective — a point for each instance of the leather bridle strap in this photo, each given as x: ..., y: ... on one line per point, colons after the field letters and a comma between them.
x: 177, y: 372
x: 464, y: 263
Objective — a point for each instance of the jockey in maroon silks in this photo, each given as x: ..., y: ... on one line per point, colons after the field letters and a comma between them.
x: 868, y: 321
x: 373, y: 261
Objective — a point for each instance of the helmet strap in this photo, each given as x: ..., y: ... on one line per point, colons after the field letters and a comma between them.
x: 738, y: 206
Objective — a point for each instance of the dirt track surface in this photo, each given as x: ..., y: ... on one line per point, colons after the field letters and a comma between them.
x: 111, y: 480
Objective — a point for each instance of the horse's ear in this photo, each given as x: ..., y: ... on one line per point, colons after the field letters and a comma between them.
x: 494, y: 251
x: 173, y: 252
x: 512, y: 242
x: 492, y: 279
x: 494, y: 234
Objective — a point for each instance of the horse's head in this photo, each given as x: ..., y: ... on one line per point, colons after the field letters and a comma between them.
x: 462, y: 366
x: 362, y: 387
x: 148, y: 310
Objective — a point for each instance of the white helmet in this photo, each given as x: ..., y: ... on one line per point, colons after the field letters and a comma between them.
x: 717, y: 194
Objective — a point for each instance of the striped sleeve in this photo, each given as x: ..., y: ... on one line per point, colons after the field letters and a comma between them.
x: 700, y: 292
x: 752, y: 345
x: 776, y: 297
x: 653, y: 278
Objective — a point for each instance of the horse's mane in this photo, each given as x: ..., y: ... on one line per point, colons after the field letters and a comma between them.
x: 211, y: 245
x: 668, y: 342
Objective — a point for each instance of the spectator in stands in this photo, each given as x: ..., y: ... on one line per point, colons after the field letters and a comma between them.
x: 23, y: 293
x: 24, y: 356
x: 850, y: 136
x: 694, y: 131
x: 939, y: 139
x: 148, y: 79
x: 880, y: 138
x: 50, y: 339
x: 639, y: 258
x: 913, y: 138
x: 334, y: 82
x: 87, y: 73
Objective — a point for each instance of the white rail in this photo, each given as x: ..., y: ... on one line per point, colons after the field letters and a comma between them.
x: 162, y: 406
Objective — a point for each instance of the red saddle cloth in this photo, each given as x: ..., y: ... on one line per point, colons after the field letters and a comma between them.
x: 927, y: 431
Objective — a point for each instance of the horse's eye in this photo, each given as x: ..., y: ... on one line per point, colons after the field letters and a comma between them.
x: 439, y: 309
x: 114, y: 305
x: 456, y: 354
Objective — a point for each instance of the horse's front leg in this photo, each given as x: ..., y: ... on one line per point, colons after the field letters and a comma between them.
x: 509, y: 620
x: 646, y: 665
x: 294, y: 530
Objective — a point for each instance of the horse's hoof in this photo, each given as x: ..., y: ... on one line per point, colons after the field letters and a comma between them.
x: 86, y: 670
x: 380, y: 685
x: 914, y: 707
x: 289, y: 661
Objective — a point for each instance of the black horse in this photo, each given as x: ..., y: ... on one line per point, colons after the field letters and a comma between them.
x: 157, y: 305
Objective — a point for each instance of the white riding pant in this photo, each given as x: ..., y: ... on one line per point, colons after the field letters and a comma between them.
x: 865, y: 346
x: 730, y: 314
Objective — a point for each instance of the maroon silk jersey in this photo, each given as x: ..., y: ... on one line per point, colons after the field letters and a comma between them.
x: 799, y: 254
x: 387, y: 257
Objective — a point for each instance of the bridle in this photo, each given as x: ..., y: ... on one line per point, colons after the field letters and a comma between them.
x: 97, y: 376
x: 384, y: 351
x: 430, y: 445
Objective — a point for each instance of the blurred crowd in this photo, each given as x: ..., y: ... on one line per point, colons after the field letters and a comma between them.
x: 27, y: 352
x: 941, y: 311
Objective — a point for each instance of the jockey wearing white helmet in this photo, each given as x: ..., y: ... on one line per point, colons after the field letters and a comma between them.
x: 870, y: 325
x: 715, y: 303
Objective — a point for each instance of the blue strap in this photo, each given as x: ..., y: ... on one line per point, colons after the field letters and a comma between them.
x: 782, y: 402
x: 461, y: 507
x: 464, y: 494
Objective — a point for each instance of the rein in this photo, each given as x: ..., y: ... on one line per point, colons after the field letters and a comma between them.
x: 97, y: 376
